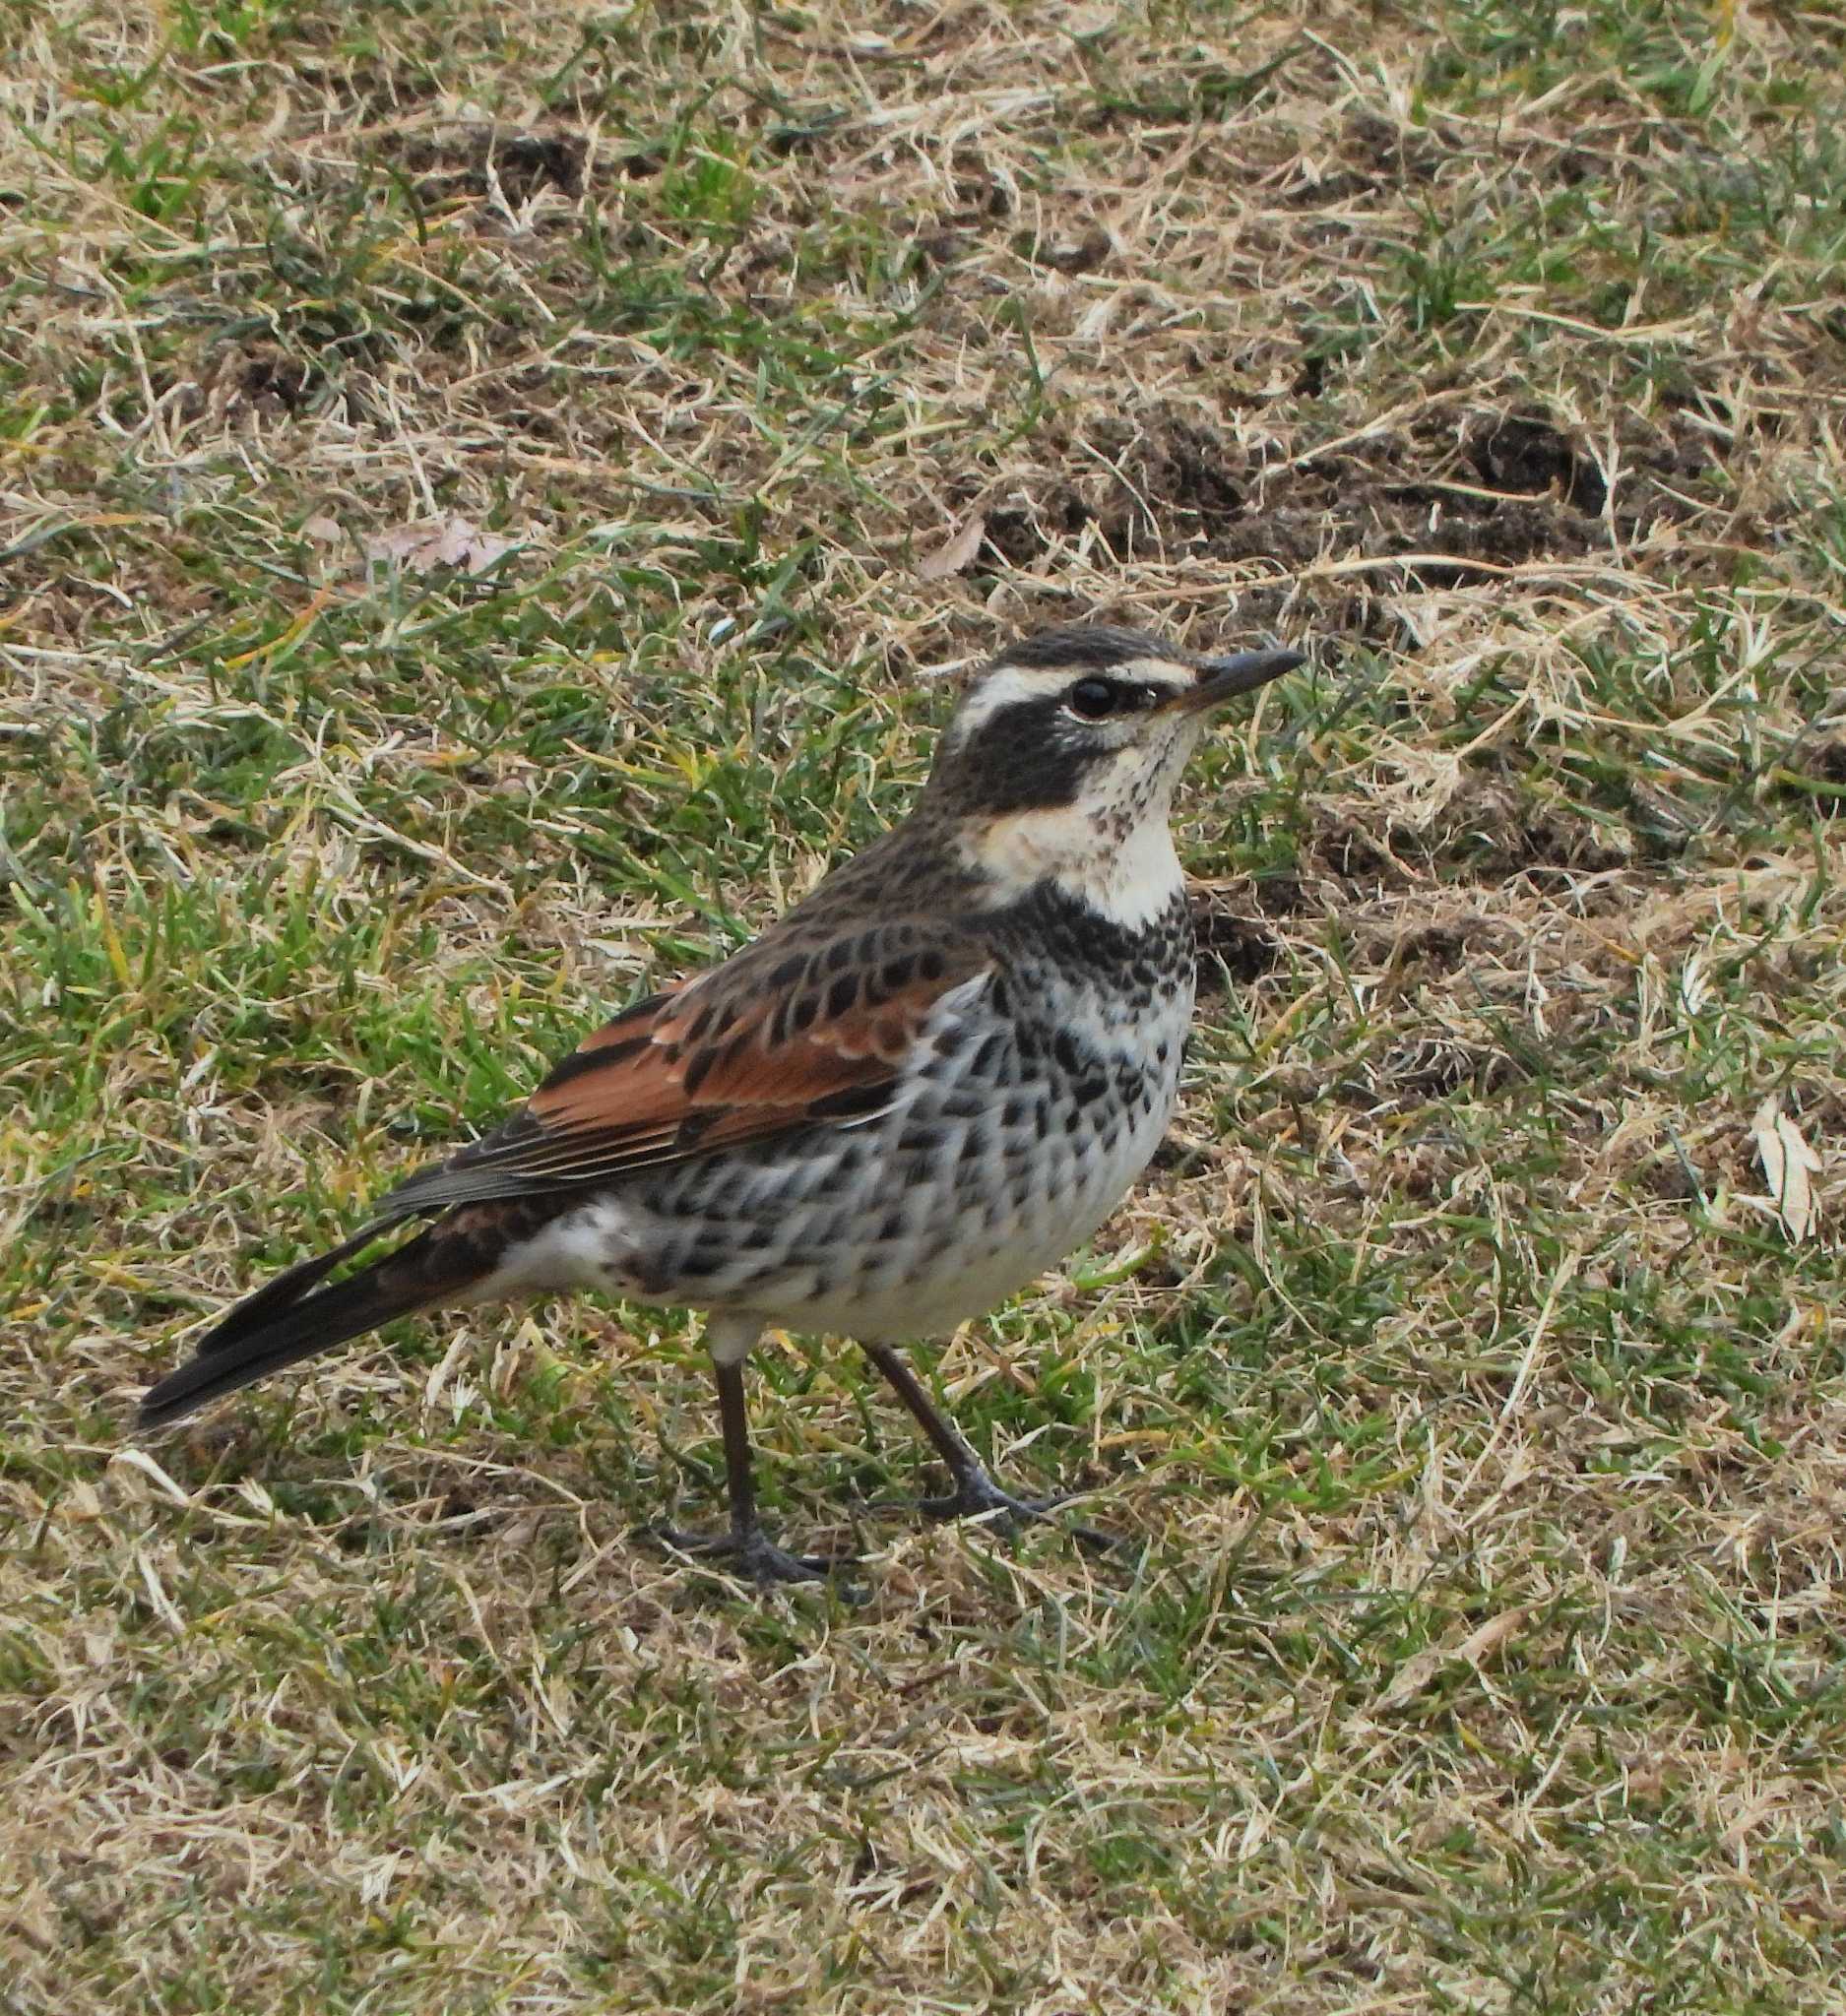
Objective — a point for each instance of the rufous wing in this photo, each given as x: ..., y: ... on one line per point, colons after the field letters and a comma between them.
x: 800, y: 1031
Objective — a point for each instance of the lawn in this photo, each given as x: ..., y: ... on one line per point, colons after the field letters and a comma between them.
x: 484, y: 490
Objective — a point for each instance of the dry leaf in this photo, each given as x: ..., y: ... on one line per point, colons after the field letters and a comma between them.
x: 1788, y: 1164
x: 1694, y: 984
x: 140, y: 1462
x: 1755, y: 1812
x: 1422, y: 1668
x: 1474, y: 1649
x: 433, y: 542
x: 957, y: 550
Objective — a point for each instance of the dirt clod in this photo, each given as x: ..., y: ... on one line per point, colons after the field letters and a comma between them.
x: 1531, y: 457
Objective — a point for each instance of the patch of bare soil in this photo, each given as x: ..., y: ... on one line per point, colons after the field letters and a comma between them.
x: 1456, y: 498
x: 468, y: 162
x: 1230, y: 943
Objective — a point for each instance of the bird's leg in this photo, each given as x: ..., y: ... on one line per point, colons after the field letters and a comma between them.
x: 975, y: 1491
x: 744, y: 1541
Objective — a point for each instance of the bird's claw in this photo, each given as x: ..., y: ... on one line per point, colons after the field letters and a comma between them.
x: 978, y: 1496
x: 752, y: 1553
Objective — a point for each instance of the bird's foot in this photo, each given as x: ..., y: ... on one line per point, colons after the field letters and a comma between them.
x: 978, y: 1496
x: 751, y: 1553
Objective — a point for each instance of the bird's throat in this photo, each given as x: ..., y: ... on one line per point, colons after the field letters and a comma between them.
x: 1128, y: 879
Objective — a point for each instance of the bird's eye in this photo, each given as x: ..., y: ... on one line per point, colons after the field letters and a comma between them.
x: 1094, y: 699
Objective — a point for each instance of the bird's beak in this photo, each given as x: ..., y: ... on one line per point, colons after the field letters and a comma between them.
x: 1223, y: 678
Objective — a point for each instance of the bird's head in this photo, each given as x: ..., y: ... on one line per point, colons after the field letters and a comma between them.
x: 1061, y: 759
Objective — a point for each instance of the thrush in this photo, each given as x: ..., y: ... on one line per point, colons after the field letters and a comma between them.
x: 924, y: 1084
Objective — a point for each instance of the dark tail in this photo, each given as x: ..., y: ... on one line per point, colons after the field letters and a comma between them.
x: 293, y: 1316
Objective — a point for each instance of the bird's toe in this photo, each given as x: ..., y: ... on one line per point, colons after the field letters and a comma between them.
x: 978, y: 1496
x: 752, y: 1554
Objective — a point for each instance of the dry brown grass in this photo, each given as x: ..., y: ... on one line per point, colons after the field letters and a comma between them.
x: 1480, y: 1435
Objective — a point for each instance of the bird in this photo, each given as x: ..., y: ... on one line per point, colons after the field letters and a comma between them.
x: 926, y: 1084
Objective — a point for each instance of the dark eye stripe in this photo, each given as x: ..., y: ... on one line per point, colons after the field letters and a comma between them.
x: 1096, y: 699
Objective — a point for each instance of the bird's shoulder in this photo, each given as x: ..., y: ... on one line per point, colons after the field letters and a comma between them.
x: 816, y: 1005
x: 815, y: 1024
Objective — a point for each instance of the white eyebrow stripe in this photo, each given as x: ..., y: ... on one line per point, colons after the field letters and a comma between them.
x: 1010, y: 686
x: 1014, y: 685
x: 1154, y: 671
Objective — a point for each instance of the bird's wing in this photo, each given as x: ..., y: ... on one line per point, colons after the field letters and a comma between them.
x: 804, y: 1029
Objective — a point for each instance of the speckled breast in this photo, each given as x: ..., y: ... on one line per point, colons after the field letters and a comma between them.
x: 1040, y: 1094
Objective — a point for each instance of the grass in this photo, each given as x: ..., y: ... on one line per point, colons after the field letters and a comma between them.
x: 1476, y: 1431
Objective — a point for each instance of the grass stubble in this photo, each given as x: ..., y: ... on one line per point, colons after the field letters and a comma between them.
x: 1477, y: 1433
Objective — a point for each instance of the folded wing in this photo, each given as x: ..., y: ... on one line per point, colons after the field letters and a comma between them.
x: 804, y: 1029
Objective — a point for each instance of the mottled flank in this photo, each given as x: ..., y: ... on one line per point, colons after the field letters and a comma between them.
x: 1033, y: 1100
